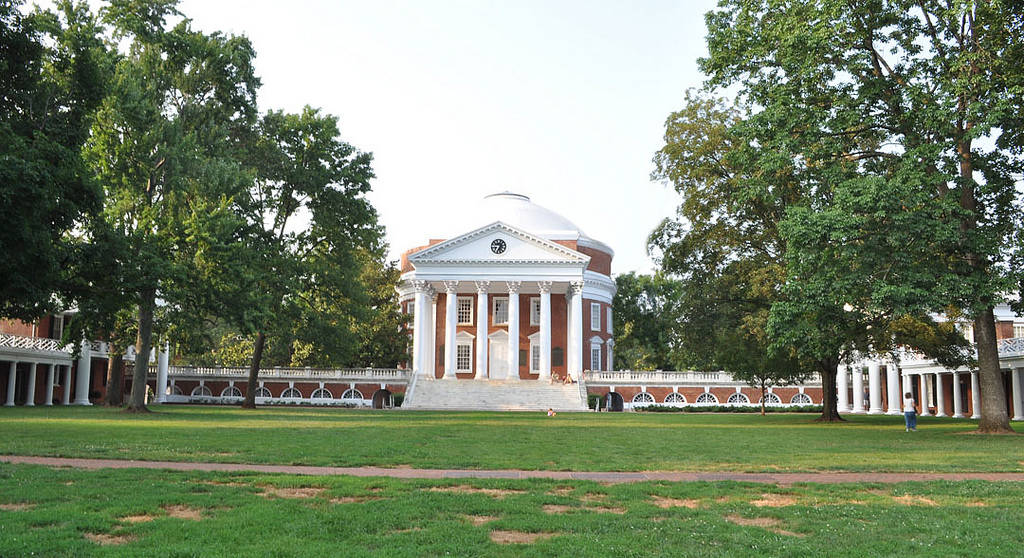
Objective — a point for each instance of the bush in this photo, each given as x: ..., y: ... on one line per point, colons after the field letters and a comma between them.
x: 728, y: 409
x: 397, y: 399
x: 595, y: 401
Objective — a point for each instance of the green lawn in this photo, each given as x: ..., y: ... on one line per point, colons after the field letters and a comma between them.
x: 581, y: 441
x: 62, y: 512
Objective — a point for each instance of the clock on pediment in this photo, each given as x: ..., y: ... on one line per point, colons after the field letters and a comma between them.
x: 498, y: 246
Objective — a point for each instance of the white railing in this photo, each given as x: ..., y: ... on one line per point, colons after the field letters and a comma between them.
x: 1008, y: 348
x: 1011, y: 347
x: 33, y: 343
x: 655, y: 377
x: 317, y: 374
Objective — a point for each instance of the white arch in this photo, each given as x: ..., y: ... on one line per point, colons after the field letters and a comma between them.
x: 231, y: 391
x: 738, y: 398
x: 675, y: 398
x: 321, y: 393
x: 292, y: 393
x: 642, y: 399
x: 263, y: 392
x: 352, y: 393
x: 706, y: 398
x: 201, y: 391
x: 772, y: 399
x: 801, y: 399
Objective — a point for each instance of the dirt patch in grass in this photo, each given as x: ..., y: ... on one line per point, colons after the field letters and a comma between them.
x: 144, y: 518
x: 308, y: 492
x: 183, y: 512
x: 561, y: 490
x: 409, y: 530
x: 557, y: 508
x: 609, y: 509
x: 354, y: 499
x: 20, y: 506
x: 106, y: 539
x: 496, y: 493
x: 774, y: 501
x: 768, y: 523
x: 976, y: 504
x: 518, y: 537
x: 594, y: 497
x: 223, y: 483
x: 910, y: 500
x: 665, y: 502
x: 480, y: 519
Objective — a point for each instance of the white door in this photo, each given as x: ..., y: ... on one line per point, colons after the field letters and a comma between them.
x: 497, y: 354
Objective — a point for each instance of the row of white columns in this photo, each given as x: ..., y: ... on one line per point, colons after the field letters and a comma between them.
x: 424, y: 328
x: 82, y: 379
x: 929, y: 381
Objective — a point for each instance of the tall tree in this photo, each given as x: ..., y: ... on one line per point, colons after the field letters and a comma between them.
x: 162, y: 147
x: 308, y: 220
x: 53, y: 68
x: 909, y: 110
x: 646, y: 314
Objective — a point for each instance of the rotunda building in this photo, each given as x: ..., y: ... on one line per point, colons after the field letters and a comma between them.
x: 519, y: 294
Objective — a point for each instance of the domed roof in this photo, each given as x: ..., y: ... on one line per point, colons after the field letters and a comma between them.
x: 518, y: 211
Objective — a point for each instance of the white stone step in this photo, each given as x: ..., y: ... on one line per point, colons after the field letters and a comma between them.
x: 485, y: 395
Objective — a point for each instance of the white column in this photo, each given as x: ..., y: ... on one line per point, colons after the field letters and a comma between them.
x: 482, y: 319
x: 925, y: 396
x: 858, y: 389
x: 162, y: 360
x: 12, y: 377
x: 418, y: 314
x: 451, y: 320
x: 49, y: 385
x: 1018, y: 404
x: 611, y: 352
x: 30, y: 396
x: 958, y: 396
x: 892, y: 387
x: 545, y: 329
x: 940, y: 397
x: 975, y: 396
x: 576, y: 334
x: 513, y: 329
x: 908, y: 382
x: 85, y: 374
x: 430, y: 347
x: 875, y: 388
x: 842, y: 390
x: 65, y: 398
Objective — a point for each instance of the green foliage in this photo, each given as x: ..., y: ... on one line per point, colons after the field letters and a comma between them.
x: 646, y: 314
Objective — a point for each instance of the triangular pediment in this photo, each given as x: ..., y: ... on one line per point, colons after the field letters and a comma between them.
x: 498, y: 243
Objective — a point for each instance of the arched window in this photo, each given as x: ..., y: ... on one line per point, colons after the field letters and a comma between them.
x: 231, y: 391
x: 321, y: 394
x: 801, y: 399
x: 643, y: 399
x: 201, y: 391
x: 707, y: 398
x: 263, y: 392
x: 175, y: 390
x: 675, y: 398
x: 352, y: 394
x: 738, y: 399
x: 292, y: 392
x: 772, y: 399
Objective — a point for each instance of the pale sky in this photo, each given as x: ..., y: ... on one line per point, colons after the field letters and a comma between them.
x: 562, y: 101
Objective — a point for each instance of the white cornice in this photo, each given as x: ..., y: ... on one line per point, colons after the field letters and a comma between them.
x: 434, y: 254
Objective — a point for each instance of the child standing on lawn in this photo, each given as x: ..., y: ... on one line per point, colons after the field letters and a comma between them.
x: 909, y: 412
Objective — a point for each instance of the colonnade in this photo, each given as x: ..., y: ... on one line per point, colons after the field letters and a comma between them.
x: 929, y: 384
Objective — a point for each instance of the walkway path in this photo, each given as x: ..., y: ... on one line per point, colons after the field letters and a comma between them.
x: 612, y: 477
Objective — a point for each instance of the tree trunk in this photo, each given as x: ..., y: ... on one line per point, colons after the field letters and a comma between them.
x: 762, y: 398
x: 829, y: 401
x: 115, y: 378
x: 995, y: 418
x: 254, y: 372
x: 143, y: 345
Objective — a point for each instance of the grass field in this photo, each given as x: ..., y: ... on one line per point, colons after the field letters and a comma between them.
x: 569, y: 441
x: 61, y: 512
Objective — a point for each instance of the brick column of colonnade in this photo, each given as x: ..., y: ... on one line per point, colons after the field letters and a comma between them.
x: 842, y: 388
x: 513, y: 329
x: 545, y: 329
x: 892, y: 387
x: 12, y: 378
x: 874, y: 388
x: 958, y: 395
x: 451, y: 310
x: 482, y: 313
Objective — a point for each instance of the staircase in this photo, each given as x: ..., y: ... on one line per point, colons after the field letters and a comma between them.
x: 487, y: 395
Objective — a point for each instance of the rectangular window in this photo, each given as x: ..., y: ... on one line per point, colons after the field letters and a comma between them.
x: 534, y: 358
x: 534, y: 311
x: 595, y: 357
x: 463, y: 357
x: 595, y: 316
x: 465, y: 310
x: 58, y: 326
x: 410, y: 308
x: 500, y: 311
x: 608, y: 321
x: 1018, y: 330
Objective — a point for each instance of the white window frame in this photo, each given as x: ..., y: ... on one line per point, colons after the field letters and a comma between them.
x: 534, y: 357
x: 468, y: 346
x: 535, y: 310
x: 1018, y: 330
x: 458, y: 309
x: 595, y: 316
x: 494, y: 310
x: 595, y: 347
x: 58, y: 326
x: 608, y: 321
